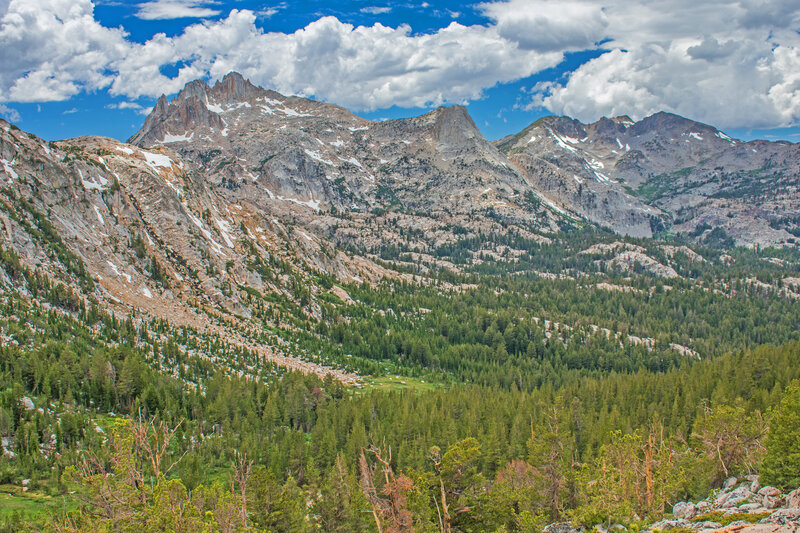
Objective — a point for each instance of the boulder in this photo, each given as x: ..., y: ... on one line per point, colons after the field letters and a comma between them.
x: 793, y: 499
x: 684, y: 510
x: 783, y: 517
x: 561, y: 527
x: 772, y: 502
x: 748, y: 507
x: 666, y: 524
x: 769, y: 491
x: 703, y: 506
x: 729, y: 483
x: 734, y: 498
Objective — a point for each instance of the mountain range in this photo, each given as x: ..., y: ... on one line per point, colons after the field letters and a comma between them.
x: 230, y: 191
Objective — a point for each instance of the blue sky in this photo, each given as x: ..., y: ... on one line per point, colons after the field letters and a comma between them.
x: 78, y: 67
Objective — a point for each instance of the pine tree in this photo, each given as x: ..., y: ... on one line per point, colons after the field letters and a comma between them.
x: 781, y: 466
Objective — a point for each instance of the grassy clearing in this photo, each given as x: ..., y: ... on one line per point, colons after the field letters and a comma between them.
x: 400, y: 383
x: 32, y: 505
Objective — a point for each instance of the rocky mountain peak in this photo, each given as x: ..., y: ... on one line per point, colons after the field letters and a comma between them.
x: 235, y: 88
x: 667, y: 124
x: 193, y: 89
x: 453, y: 124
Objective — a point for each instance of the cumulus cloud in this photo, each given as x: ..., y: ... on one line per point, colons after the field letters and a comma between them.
x: 174, y: 9
x: 53, y: 49
x: 364, y: 67
x: 733, y: 64
x: 8, y: 113
x: 550, y: 24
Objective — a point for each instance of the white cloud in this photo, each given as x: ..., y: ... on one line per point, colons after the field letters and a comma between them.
x: 53, y: 49
x: 70, y: 111
x: 174, y: 9
x: 10, y: 114
x: 732, y: 64
x: 375, y: 10
x: 132, y: 106
x: 365, y: 67
x: 550, y: 24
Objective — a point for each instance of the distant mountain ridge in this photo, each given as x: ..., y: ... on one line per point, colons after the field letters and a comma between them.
x: 235, y: 204
x: 663, y: 174
x: 696, y: 177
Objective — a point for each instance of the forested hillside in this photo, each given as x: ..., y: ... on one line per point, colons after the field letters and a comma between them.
x: 269, y: 314
x: 495, y: 403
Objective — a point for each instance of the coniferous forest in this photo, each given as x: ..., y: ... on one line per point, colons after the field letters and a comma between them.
x: 490, y: 403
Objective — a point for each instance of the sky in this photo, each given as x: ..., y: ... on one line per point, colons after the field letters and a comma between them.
x: 81, y: 67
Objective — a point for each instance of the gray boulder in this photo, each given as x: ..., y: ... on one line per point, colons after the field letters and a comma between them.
x: 562, y: 527
x: 793, y: 499
x: 783, y: 517
x: 729, y: 483
x: 684, y: 510
x: 666, y: 524
x: 708, y: 525
x: 773, y: 502
x: 734, y: 498
x: 769, y: 491
x: 748, y: 507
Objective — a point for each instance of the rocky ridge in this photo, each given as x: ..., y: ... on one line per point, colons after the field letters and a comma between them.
x: 231, y: 193
x: 742, y: 505
x: 664, y: 174
x: 755, y: 509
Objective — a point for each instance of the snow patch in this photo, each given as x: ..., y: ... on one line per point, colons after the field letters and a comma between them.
x: 313, y: 204
x: 619, y: 144
x: 317, y: 156
x: 561, y: 142
x: 99, y: 216
x: 289, y: 112
x: 169, y: 138
x: 364, y: 128
x: 146, y: 292
x: 91, y: 184
x: 8, y: 170
x: 206, y: 233
x: 576, y: 178
x: 157, y: 160
x: 696, y: 136
x: 214, y: 108
x: 352, y: 160
x: 125, y: 150
x: 224, y: 229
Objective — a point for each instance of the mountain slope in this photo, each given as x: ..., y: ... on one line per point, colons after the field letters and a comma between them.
x: 694, y: 178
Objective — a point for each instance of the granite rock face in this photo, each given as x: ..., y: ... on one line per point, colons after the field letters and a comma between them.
x: 665, y: 173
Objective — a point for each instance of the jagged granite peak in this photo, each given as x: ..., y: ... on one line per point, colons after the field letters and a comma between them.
x: 272, y: 148
x: 692, y: 177
x: 235, y: 88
